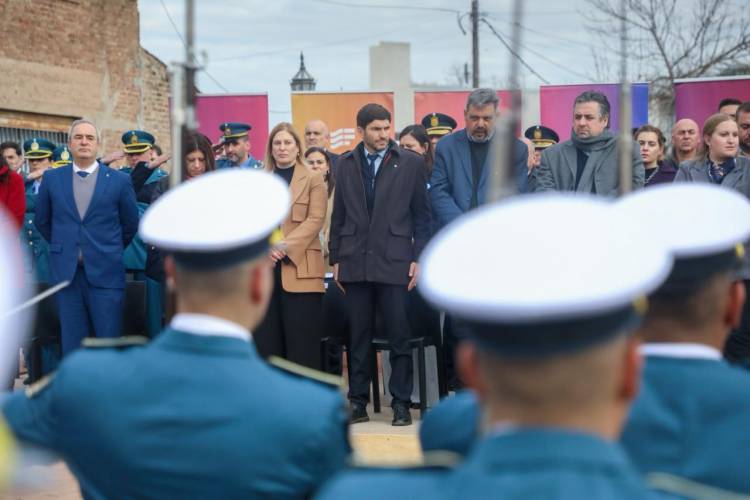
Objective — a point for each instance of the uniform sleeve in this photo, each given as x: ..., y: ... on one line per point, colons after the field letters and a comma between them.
x: 521, y: 166
x: 43, y: 210
x: 128, y: 213
x: 32, y: 418
x: 332, y: 445
x: 139, y: 175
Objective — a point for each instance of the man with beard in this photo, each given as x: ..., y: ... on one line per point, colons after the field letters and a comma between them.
x: 588, y: 162
x: 236, y: 143
x: 743, y: 123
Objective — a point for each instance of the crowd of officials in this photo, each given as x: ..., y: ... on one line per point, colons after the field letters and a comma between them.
x: 335, y: 247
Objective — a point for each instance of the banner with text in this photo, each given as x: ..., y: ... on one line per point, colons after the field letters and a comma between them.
x: 698, y: 99
x: 556, y: 105
x: 215, y: 109
x: 450, y: 102
x: 339, y: 112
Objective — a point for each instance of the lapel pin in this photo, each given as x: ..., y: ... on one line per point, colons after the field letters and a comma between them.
x: 395, y: 165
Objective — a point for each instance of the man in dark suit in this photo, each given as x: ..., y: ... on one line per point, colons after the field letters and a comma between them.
x: 379, y: 226
x: 461, y: 171
x: 88, y: 214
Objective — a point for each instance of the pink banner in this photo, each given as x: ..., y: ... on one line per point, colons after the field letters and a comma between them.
x: 556, y: 105
x: 451, y: 102
x: 699, y: 99
x: 213, y: 110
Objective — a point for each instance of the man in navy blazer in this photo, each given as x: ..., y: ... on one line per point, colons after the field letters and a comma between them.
x: 462, y: 160
x: 88, y: 214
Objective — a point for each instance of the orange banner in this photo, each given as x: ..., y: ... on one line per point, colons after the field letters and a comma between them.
x: 338, y: 110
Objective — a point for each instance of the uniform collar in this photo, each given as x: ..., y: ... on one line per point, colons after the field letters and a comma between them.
x: 209, y: 326
x: 548, y: 445
x: 680, y: 350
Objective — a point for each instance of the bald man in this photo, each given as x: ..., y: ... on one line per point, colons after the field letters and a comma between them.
x: 318, y: 135
x: 685, y: 141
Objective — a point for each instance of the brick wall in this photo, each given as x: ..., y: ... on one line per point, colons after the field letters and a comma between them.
x: 65, y: 59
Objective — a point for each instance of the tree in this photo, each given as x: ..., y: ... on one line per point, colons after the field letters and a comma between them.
x: 673, y: 39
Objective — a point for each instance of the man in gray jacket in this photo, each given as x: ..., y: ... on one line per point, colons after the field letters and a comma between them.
x: 588, y: 161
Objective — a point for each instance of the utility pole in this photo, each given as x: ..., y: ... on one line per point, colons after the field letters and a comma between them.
x: 475, y: 43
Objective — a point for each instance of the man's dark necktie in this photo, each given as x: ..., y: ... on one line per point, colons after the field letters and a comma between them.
x: 370, y: 181
x: 82, y: 174
x: 716, y: 172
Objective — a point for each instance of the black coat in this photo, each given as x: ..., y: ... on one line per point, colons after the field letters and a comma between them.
x: 379, y: 247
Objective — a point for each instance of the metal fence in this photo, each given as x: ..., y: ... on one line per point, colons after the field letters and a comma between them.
x: 21, y: 134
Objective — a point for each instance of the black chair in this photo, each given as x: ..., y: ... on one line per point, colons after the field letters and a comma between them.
x: 420, y: 344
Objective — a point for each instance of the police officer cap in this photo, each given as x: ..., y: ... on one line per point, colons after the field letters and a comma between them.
x: 542, y: 137
x: 543, y: 274
x: 37, y: 148
x: 204, y: 222
x: 438, y: 124
x: 61, y: 156
x: 234, y: 130
x: 703, y: 225
x: 137, y: 141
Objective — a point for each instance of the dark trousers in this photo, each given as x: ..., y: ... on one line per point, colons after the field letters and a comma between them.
x: 363, y: 299
x: 292, y: 326
x: 88, y: 311
x: 737, y: 347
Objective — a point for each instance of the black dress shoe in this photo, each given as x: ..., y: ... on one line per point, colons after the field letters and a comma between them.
x: 401, y: 415
x: 359, y: 414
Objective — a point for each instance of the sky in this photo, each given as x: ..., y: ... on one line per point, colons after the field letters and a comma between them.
x: 254, y: 45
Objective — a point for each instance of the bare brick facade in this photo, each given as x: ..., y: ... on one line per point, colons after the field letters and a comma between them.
x: 67, y: 59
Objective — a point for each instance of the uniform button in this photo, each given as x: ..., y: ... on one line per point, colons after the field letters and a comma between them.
x: 31, y: 232
x: 31, y: 243
x: 31, y: 221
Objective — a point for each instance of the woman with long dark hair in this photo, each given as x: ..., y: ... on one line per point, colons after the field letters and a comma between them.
x: 415, y: 138
x: 652, y: 142
x: 292, y: 327
x: 197, y: 159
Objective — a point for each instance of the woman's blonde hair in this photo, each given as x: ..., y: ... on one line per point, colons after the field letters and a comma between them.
x: 269, y: 164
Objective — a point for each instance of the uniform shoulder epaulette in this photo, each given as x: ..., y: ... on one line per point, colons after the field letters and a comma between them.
x: 347, y: 153
x: 437, y: 459
x: 305, y: 372
x: 37, y: 387
x: 116, y: 342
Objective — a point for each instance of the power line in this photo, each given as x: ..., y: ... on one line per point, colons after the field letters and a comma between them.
x: 388, y: 6
x: 179, y: 35
x: 513, y: 52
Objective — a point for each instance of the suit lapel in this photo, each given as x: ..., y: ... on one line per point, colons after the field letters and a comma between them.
x: 66, y: 178
x: 102, y: 183
x: 299, y: 180
x: 465, y: 154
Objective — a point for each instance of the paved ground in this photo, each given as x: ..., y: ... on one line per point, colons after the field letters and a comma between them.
x: 373, y: 442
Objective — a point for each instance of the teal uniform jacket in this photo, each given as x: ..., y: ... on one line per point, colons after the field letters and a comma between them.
x: 692, y: 420
x: 525, y: 464
x: 37, y: 246
x: 186, y: 416
x: 453, y: 425
x: 249, y: 163
x: 546, y: 463
x: 134, y: 256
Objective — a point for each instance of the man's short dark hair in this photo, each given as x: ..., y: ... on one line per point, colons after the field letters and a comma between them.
x: 729, y: 101
x: 744, y: 108
x: 597, y: 97
x: 157, y: 149
x: 371, y: 112
x: 9, y: 145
